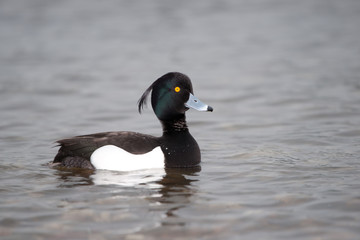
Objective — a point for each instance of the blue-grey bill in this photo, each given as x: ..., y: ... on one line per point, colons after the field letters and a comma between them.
x: 196, y: 104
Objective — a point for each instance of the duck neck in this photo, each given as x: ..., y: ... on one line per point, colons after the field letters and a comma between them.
x: 174, y: 126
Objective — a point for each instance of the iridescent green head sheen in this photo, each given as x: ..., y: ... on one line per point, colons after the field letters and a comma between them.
x: 170, y: 97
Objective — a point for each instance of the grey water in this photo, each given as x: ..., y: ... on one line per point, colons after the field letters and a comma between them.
x: 280, y: 152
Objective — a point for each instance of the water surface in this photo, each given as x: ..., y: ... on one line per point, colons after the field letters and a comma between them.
x: 280, y: 152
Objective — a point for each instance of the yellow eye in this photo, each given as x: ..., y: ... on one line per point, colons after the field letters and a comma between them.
x: 177, y: 89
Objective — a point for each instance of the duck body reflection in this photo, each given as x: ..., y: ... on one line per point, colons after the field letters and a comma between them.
x: 160, y: 191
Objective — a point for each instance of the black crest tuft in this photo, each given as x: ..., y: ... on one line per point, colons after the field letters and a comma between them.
x: 142, y: 100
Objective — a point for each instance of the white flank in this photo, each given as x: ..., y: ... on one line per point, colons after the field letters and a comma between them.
x: 111, y: 157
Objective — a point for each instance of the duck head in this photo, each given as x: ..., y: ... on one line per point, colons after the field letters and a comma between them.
x: 172, y: 95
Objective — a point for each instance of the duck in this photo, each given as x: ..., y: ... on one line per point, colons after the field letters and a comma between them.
x: 171, y: 96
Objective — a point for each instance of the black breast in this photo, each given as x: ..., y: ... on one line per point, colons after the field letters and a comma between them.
x: 180, y: 149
